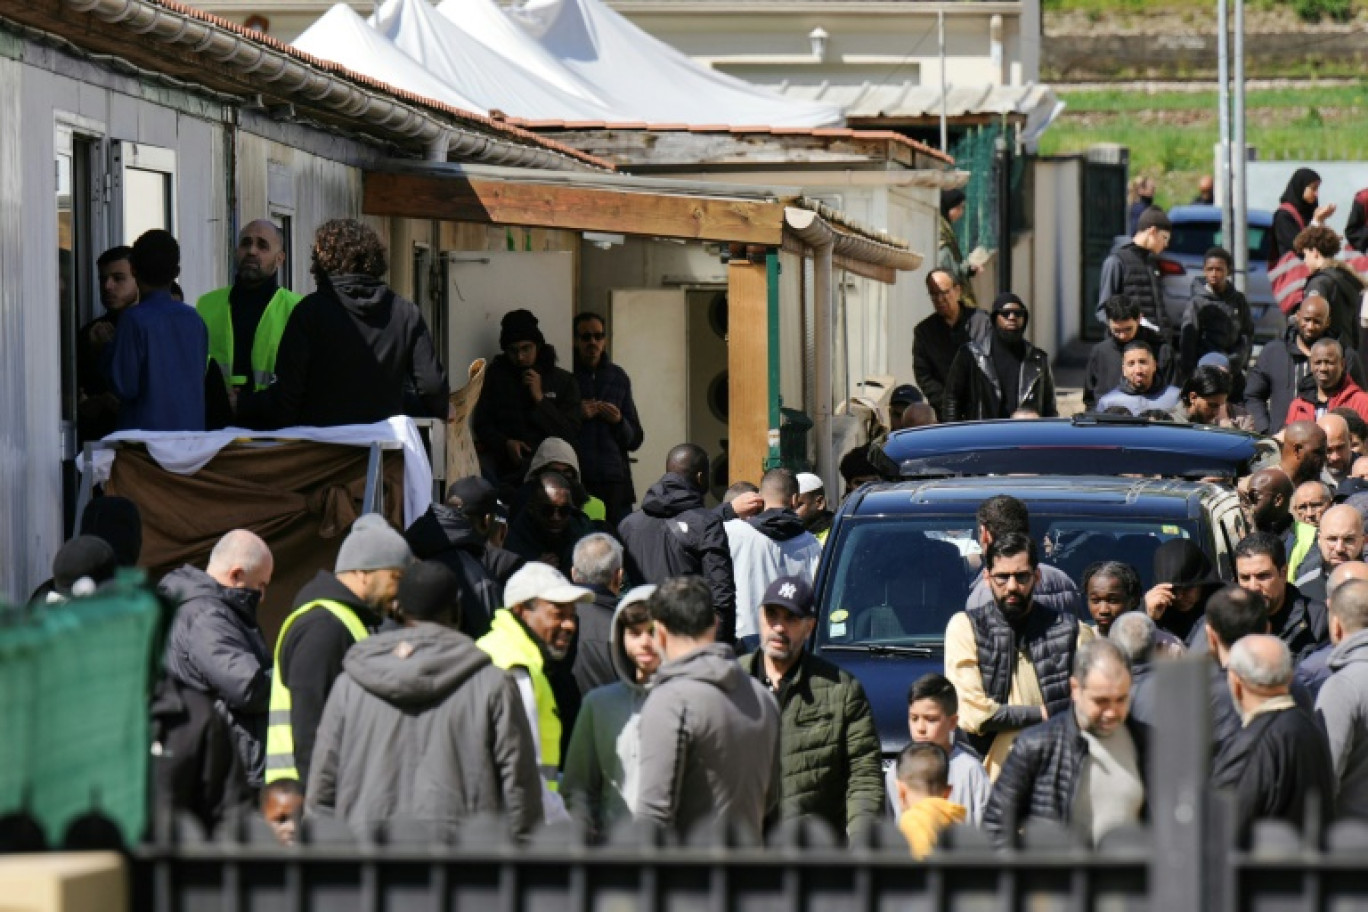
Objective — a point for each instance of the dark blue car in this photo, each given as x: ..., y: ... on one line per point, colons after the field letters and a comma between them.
x: 901, y: 556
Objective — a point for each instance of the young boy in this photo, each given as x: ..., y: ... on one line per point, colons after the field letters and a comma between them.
x: 282, y: 803
x: 932, y: 716
x: 923, y: 789
x: 599, y: 783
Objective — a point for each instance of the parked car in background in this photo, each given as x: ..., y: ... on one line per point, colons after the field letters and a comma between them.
x: 901, y: 555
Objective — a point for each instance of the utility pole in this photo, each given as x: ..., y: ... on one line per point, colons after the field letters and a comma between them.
x: 1223, y: 149
x: 1240, y: 154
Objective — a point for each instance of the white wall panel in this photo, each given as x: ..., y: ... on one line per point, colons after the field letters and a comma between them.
x: 14, y: 450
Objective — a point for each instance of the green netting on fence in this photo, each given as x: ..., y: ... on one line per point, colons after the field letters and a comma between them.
x: 74, y: 684
x: 973, y: 152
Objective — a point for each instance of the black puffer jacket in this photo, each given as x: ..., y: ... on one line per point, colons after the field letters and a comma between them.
x: 1303, y: 624
x: 1272, y: 383
x: 674, y: 534
x: 974, y: 393
x: 446, y: 536
x: 353, y: 352
x: 506, y: 411
x: 215, y: 647
x: 1040, y: 776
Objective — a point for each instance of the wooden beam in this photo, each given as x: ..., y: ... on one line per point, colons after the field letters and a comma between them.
x: 747, y: 371
x: 546, y: 205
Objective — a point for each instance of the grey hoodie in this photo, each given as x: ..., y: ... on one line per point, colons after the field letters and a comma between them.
x: 1342, y: 706
x: 599, y: 781
x: 422, y: 726
x: 709, y: 744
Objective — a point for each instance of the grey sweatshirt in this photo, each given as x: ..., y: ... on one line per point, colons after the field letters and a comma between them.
x: 709, y: 744
x: 599, y: 781
x: 1343, y: 709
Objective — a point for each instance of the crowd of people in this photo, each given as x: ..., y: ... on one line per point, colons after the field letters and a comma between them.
x: 542, y: 646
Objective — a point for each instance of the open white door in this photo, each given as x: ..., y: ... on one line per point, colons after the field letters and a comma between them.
x: 649, y: 339
x: 483, y: 286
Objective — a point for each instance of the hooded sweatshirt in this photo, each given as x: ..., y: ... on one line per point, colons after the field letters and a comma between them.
x: 600, y: 778
x: 1342, y: 706
x: 506, y: 411
x: 709, y: 744
x: 422, y: 726
x: 350, y: 354
x: 922, y: 823
x: 445, y: 535
x: 674, y: 534
x: 763, y: 548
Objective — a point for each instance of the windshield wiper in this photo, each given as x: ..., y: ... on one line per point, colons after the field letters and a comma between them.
x: 883, y: 649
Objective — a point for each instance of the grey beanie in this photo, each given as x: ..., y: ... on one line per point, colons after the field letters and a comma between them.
x: 373, y: 545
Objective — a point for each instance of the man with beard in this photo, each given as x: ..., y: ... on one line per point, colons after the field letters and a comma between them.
x: 1141, y: 389
x: 537, y: 628
x: 1010, y: 660
x: 97, y: 412
x: 812, y: 505
x: 994, y: 378
x: 1341, y: 541
x: 1298, y: 620
x: 1285, y: 363
x: 1084, y: 768
x: 550, y: 527
x: 526, y: 398
x: 1329, y: 387
x: 828, y: 747
x: 937, y: 338
x: 1339, y: 455
x: 767, y: 546
x: 1104, y: 361
x: 247, y: 319
x: 1267, y: 505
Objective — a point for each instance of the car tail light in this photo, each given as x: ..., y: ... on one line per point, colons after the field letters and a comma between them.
x: 1171, y: 268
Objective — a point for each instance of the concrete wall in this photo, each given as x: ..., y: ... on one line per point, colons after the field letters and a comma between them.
x: 1056, y: 261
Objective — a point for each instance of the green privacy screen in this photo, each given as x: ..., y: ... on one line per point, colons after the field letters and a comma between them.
x: 74, y: 685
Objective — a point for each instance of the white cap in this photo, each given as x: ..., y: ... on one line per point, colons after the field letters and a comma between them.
x: 807, y: 483
x: 536, y: 580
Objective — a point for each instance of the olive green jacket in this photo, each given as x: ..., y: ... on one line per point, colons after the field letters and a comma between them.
x: 828, y: 747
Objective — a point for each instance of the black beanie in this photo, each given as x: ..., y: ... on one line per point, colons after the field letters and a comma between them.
x: 1011, y: 297
x: 117, y: 521
x: 519, y: 326
x: 84, y: 555
x: 1153, y: 217
x: 428, y: 591
x: 949, y: 200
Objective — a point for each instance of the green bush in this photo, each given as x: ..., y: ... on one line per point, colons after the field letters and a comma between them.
x: 1316, y: 10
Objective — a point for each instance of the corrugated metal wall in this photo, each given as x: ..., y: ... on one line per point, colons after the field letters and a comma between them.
x: 14, y: 449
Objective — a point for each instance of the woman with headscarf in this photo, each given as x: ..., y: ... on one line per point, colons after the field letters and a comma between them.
x: 1298, y: 208
x: 949, y: 257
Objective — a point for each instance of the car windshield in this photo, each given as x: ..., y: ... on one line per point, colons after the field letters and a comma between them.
x: 900, y: 580
x: 1196, y: 238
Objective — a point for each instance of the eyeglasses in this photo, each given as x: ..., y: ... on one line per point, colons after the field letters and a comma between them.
x: 1012, y: 314
x: 1022, y: 577
x: 554, y: 510
x: 592, y: 337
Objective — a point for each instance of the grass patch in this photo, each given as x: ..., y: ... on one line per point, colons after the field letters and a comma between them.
x: 1110, y: 100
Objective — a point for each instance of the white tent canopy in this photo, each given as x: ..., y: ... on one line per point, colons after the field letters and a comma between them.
x: 493, y: 76
x: 343, y: 37
x: 645, y: 79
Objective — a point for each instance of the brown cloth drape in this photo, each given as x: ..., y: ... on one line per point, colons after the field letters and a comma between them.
x: 301, y: 497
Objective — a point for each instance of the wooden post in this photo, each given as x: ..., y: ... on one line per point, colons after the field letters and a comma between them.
x: 748, y: 426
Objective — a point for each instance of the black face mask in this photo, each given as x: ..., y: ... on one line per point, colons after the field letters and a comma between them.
x: 251, y: 598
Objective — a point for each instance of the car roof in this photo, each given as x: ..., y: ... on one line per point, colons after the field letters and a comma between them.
x: 1200, y: 213
x: 1084, y: 445
x: 1076, y: 495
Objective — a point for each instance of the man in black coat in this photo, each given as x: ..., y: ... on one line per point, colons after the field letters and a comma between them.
x: 526, y: 398
x: 215, y: 646
x: 597, y: 567
x: 1084, y: 767
x: 1133, y: 270
x: 1104, y: 361
x: 937, y: 338
x: 674, y: 534
x: 1279, y: 763
x: 1285, y: 363
x: 447, y: 535
x: 1299, y: 621
x: 610, y: 428
x: 353, y: 352
x: 997, y: 377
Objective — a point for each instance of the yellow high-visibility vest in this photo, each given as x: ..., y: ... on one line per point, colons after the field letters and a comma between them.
x: 509, y: 645
x: 217, y: 314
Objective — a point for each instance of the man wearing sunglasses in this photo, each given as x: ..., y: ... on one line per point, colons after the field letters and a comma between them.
x: 610, y: 428
x: 997, y: 376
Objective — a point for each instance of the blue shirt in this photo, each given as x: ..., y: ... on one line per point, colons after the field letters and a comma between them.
x: 156, y: 365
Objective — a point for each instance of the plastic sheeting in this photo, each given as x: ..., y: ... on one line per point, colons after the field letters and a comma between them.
x: 343, y: 37
x: 493, y: 76
x: 643, y: 78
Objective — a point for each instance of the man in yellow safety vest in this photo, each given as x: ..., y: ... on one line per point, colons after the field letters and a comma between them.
x: 336, y: 610
x: 247, y: 318
x: 538, y: 626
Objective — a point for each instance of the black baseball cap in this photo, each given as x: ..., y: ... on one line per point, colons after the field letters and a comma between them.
x: 907, y: 393
x: 792, y: 593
